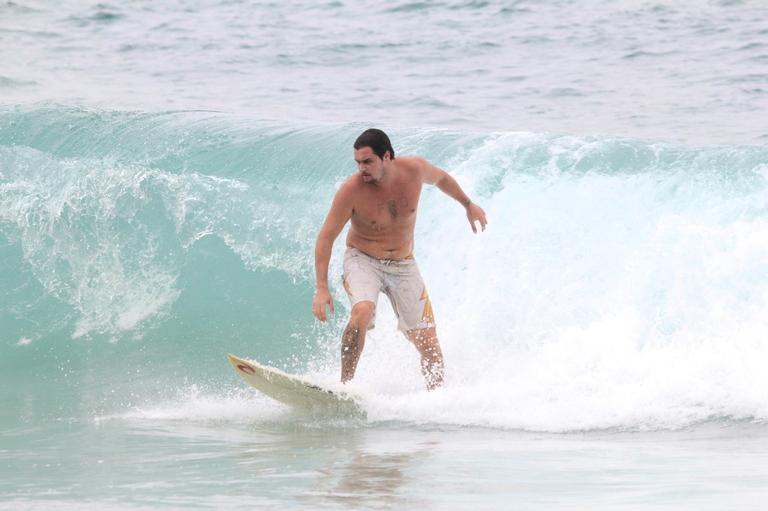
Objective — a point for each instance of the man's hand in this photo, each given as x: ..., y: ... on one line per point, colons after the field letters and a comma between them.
x: 322, y: 298
x: 476, y: 214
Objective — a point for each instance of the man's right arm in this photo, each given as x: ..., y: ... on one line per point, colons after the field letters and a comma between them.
x: 338, y: 216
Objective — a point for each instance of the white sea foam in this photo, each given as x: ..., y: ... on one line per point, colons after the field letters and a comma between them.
x: 592, y: 301
x: 197, y: 405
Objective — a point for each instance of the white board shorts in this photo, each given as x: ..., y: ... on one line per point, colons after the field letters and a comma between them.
x: 365, y: 277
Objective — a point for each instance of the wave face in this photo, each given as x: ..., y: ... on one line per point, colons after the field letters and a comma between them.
x: 620, y: 283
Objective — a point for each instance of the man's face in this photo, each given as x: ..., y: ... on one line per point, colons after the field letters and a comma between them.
x: 370, y: 166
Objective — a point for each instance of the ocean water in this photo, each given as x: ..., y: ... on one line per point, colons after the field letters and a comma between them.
x: 165, y: 168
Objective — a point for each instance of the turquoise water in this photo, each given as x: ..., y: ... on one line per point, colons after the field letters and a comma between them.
x: 164, y: 170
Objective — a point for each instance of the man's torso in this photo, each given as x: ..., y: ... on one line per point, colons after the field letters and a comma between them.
x: 384, y: 216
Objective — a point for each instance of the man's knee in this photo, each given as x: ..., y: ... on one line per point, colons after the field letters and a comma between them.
x: 362, y: 313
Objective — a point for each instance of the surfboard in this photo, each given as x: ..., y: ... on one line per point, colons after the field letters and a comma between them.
x: 293, y: 390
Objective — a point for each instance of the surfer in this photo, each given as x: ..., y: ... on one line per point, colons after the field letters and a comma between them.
x: 381, y: 200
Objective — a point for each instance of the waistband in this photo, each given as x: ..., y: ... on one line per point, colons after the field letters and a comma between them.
x: 387, y: 262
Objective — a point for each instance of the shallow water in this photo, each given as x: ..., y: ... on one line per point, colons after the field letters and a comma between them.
x: 305, y: 465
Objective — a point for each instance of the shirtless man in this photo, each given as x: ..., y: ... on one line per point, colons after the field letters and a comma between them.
x: 381, y: 200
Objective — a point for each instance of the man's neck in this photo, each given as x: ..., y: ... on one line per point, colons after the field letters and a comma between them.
x: 385, y: 178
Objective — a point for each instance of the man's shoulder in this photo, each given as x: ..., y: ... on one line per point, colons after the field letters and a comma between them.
x: 411, y: 165
x: 412, y: 162
x: 349, y: 186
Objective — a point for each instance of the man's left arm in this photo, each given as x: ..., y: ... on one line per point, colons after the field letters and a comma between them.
x: 447, y: 184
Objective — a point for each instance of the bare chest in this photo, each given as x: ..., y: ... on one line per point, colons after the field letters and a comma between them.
x: 386, y: 211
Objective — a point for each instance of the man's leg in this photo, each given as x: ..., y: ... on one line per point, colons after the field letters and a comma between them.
x: 425, y: 340
x: 353, y: 340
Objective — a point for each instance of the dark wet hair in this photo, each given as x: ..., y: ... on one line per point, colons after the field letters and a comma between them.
x: 377, y: 140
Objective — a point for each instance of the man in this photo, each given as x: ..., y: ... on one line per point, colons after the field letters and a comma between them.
x: 381, y: 201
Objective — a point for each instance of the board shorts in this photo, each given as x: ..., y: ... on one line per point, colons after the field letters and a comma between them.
x: 365, y: 277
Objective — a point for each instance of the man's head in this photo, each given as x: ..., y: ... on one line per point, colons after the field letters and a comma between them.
x: 373, y: 153
x: 377, y: 140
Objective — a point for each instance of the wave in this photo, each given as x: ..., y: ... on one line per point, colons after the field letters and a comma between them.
x: 621, y: 283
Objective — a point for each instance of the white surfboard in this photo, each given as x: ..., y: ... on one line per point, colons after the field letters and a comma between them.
x: 293, y: 390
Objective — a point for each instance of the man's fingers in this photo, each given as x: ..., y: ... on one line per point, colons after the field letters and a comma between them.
x: 317, y: 311
x: 476, y: 214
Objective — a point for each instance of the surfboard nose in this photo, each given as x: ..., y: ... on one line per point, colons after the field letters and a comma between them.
x: 240, y: 364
